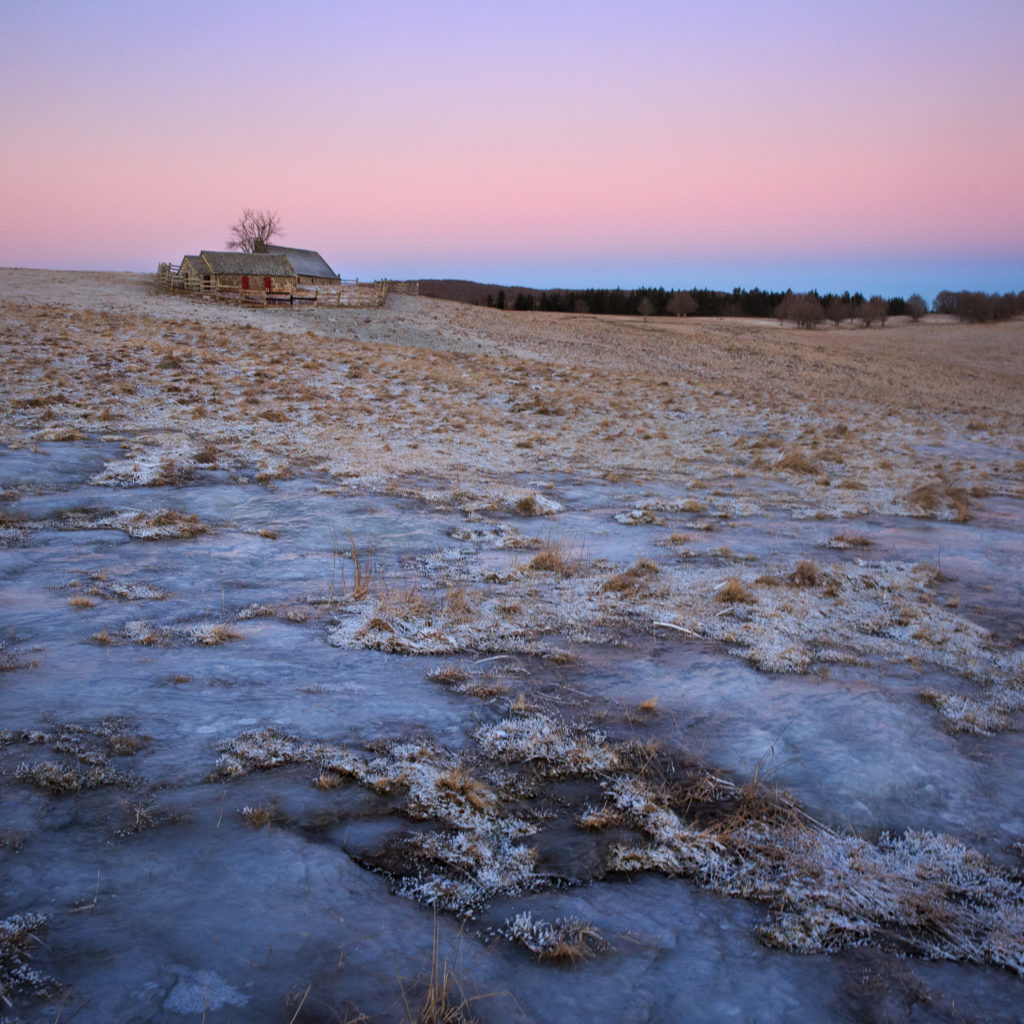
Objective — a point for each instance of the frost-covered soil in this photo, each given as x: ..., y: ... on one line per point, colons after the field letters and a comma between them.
x: 678, y: 666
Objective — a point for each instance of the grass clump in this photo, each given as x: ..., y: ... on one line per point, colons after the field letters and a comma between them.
x: 457, y: 782
x: 964, y: 714
x: 443, y: 1001
x: 16, y: 975
x: 257, y: 816
x: 796, y: 462
x: 57, y: 777
x: 633, y: 580
x: 843, y: 541
x: 564, y: 940
x: 166, y: 524
x: 732, y: 591
x: 556, y: 556
x: 527, y: 505
x: 806, y: 574
x: 449, y: 675
x: 362, y: 572
x: 211, y: 634
x: 930, y: 498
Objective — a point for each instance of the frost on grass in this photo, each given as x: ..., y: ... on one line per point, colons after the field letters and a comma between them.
x: 149, y: 634
x: 476, y: 854
x: 919, y: 893
x: 163, y: 524
x: 532, y: 503
x: 463, y: 871
x: 566, y: 939
x: 542, y: 738
x: 160, y: 468
x: 87, y: 753
x: 794, y: 619
x: 12, y: 660
x: 965, y: 714
x: 59, y: 777
x: 18, y: 933
x: 470, y: 683
x: 97, y: 584
x: 510, y: 612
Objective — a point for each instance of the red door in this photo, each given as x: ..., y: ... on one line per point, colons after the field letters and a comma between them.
x: 245, y: 281
x: 266, y: 284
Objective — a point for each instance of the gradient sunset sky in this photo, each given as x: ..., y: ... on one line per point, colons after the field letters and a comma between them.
x: 875, y: 145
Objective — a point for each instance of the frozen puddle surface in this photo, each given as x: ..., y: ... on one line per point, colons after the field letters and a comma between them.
x: 232, y: 789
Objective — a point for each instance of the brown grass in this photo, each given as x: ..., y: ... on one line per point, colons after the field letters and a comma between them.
x: 851, y: 540
x: 633, y: 580
x: 458, y: 601
x: 443, y: 1001
x: 362, y: 572
x: 806, y: 574
x: 257, y: 816
x: 734, y: 592
x: 527, y: 505
x: 796, y: 462
x: 930, y: 497
x: 557, y: 556
x: 460, y: 783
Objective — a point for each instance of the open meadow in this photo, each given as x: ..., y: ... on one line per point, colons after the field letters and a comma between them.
x: 539, y: 667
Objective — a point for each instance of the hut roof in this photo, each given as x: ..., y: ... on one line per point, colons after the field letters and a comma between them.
x: 307, y: 262
x: 259, y: 264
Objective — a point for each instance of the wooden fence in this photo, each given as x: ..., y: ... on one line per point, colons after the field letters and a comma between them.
x: 353, y: 293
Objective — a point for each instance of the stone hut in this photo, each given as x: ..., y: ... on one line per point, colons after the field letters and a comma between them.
x: 310, y: 267
x: 246, y: 271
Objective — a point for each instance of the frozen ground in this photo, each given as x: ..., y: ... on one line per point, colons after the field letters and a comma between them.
x: 683, y: 680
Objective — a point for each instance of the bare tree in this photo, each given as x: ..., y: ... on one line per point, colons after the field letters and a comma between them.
x: 645, y: 307
x: 254, y: 229
x: 804, y: 309
x: 837, y: 309
x: 681, y: 304
x: 916, y: 307
x: 876, y: 308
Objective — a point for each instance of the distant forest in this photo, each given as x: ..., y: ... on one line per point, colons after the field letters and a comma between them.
x: 806, y: 308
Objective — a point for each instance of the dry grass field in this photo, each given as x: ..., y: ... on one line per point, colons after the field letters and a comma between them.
x: 773, y: 504
x: 466, y: 393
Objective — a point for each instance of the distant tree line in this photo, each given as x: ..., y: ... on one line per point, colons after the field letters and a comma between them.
x: 807, y: 309
x: 977, y: 307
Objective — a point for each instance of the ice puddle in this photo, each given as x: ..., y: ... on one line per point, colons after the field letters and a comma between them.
x: 175, y: 890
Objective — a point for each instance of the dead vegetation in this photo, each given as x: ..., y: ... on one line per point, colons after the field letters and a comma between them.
x: 442, y: 999
x: 146, y: 633
x: 733, y: 591
x: 631, y: 407
x: 918, y: 893
x: 87, y: 754
x: 564, y: 940
x: 934, y: 498
x: 633, y: 580
x: 557, y: 555
x: 19, y: 935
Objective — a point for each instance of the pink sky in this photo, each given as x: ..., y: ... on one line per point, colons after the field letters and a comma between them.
x: 871, y: 145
